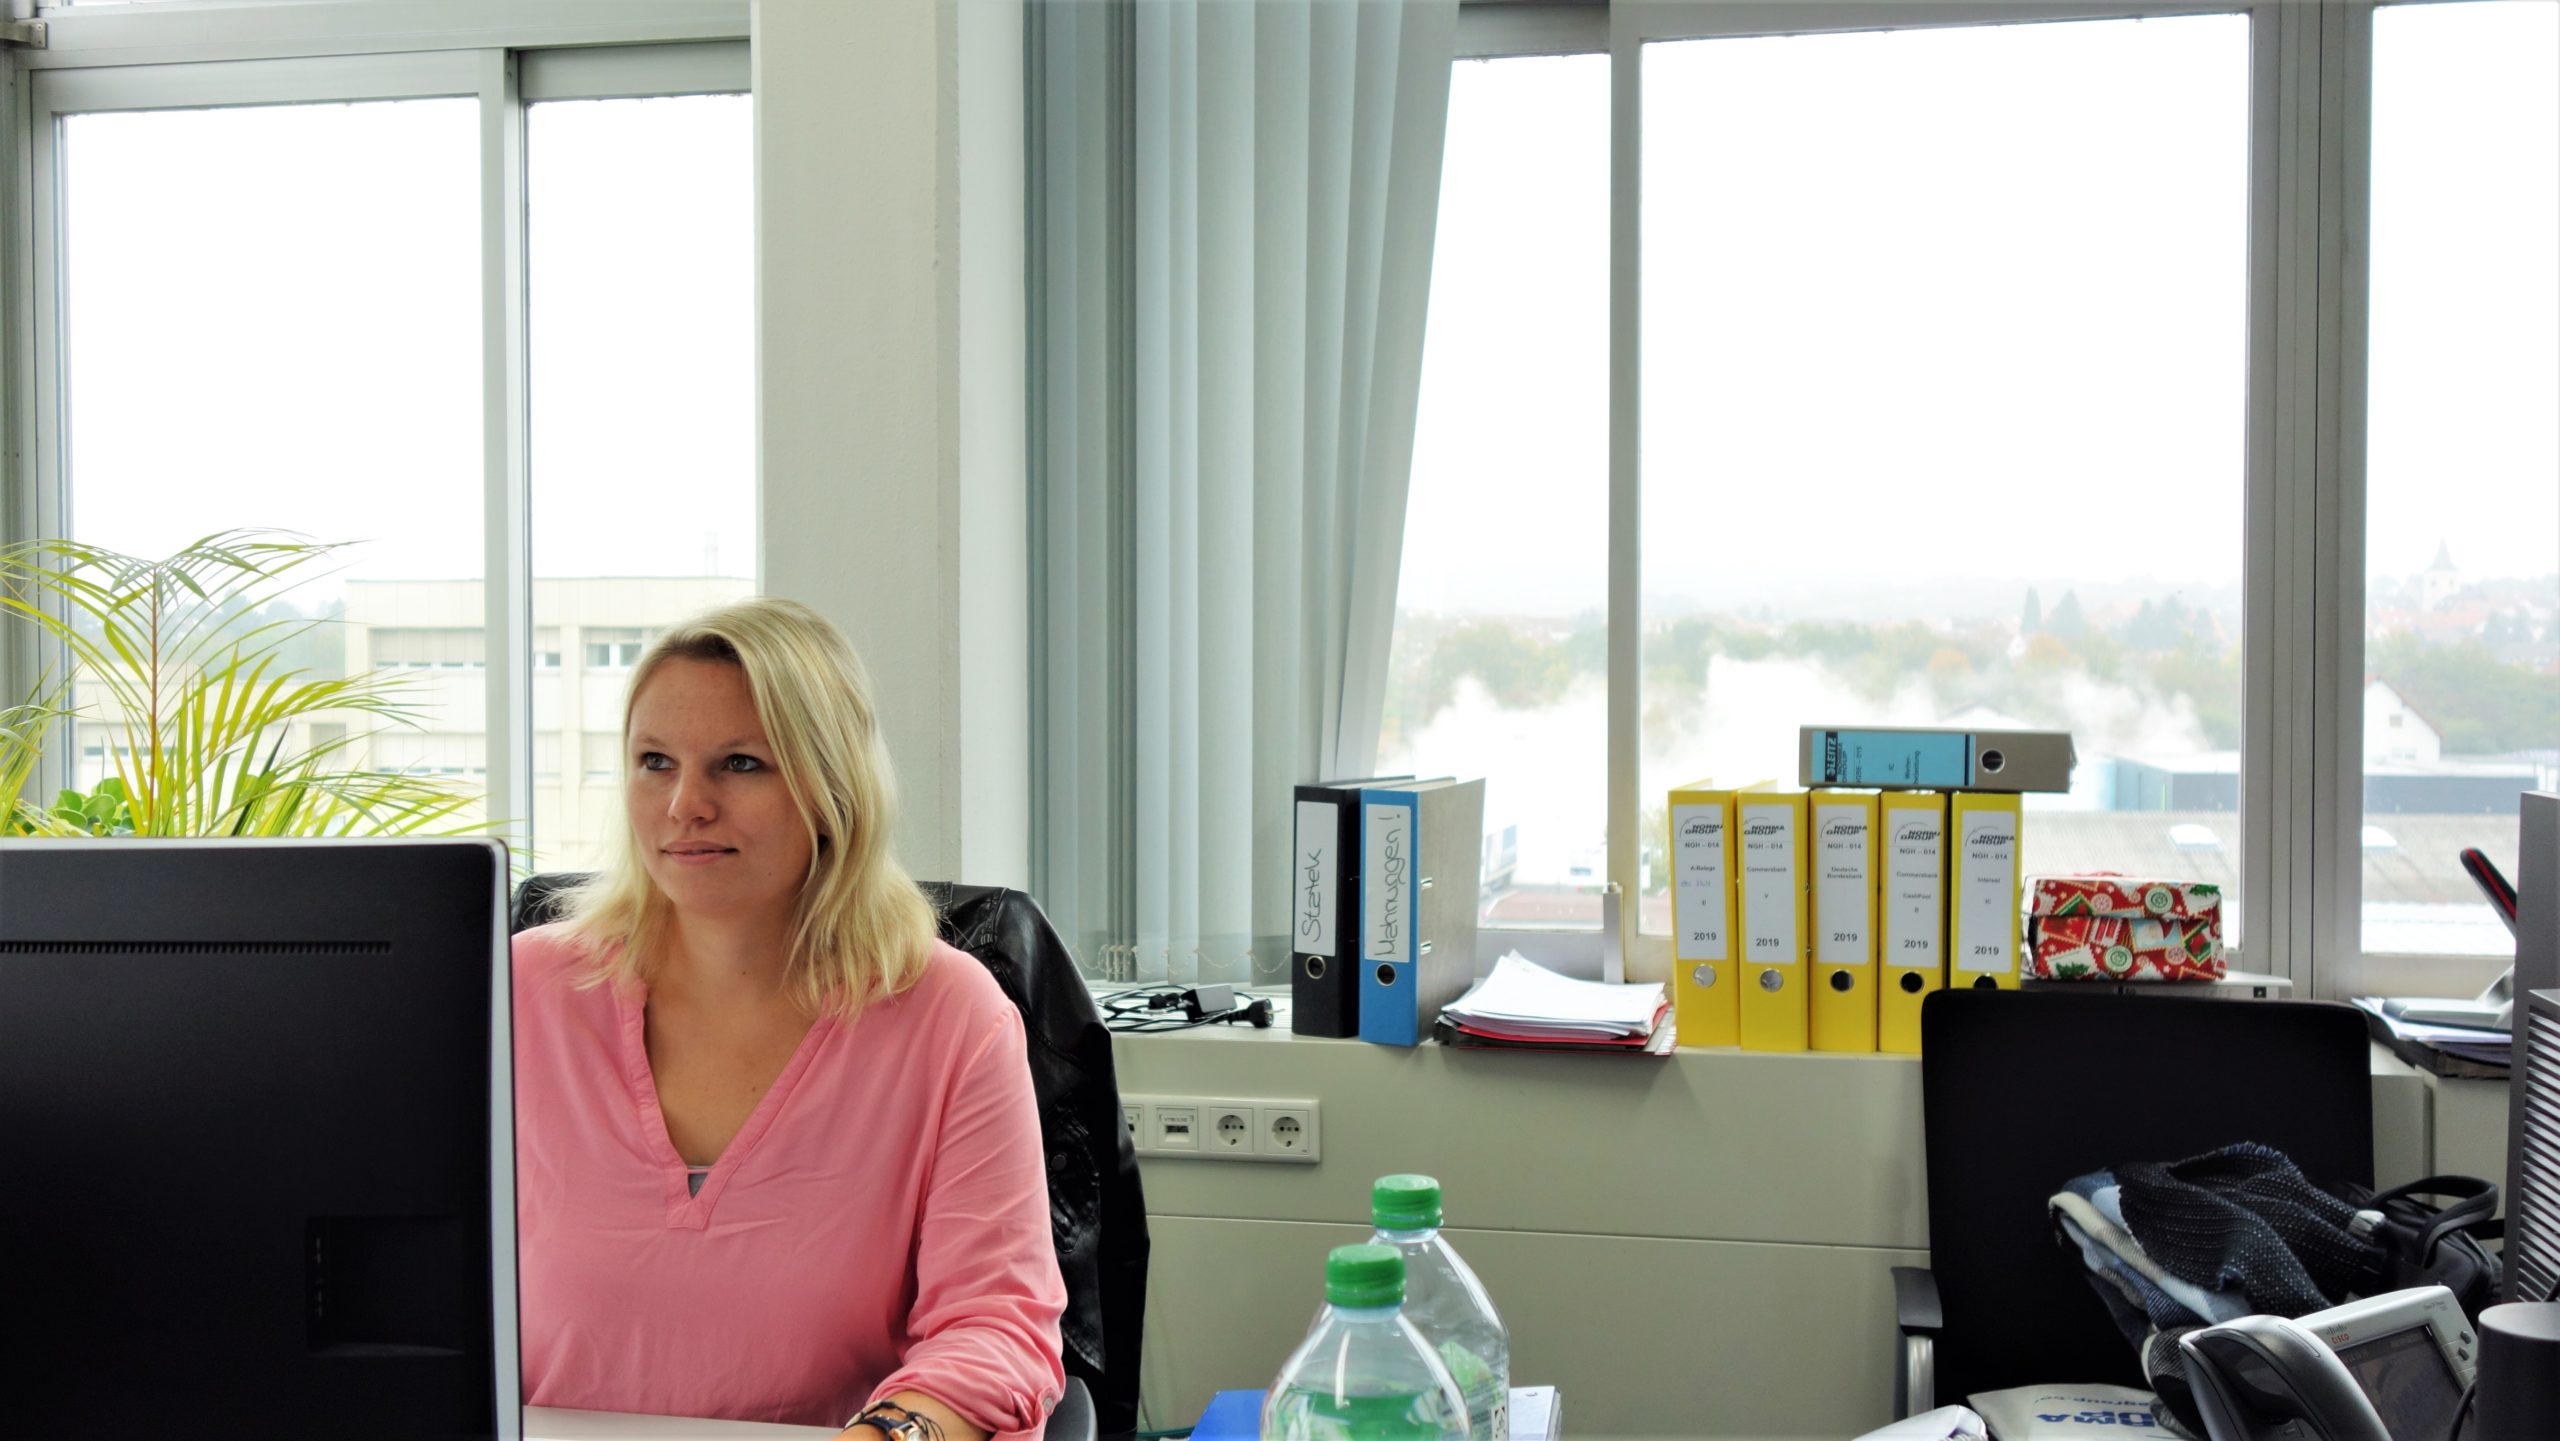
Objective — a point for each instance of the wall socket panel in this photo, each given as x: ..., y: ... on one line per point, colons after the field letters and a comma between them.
x: 1214, y: 1128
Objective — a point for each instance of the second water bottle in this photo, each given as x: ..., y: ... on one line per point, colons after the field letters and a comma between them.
x: 1446, y: 1302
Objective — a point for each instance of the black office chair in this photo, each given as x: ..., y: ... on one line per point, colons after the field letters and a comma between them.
x: 2023, y: 1090
x: 1097, y: 1213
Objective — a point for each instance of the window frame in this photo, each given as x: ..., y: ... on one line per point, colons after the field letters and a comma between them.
x: 2303, y: 474
x: 504, y: 54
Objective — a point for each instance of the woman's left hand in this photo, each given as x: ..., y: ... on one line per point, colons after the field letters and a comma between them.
x: 941, y: 1423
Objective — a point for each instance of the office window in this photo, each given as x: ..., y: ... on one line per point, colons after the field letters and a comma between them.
x: 1499, y: 662
x: 600, y: 753
x: 445, y: 754
x: 289, y: 296
x: 640, y: 278
x: 414, y: 647
x: 1943, y: 392
x: 2462, y: 534
x: 271, y: 317
x: 613, y: 648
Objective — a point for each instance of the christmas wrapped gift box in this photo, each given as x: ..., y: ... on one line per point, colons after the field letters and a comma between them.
x: 2102, y: 894
x: 2123, y: 948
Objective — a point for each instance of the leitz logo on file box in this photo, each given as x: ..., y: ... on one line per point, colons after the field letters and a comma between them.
x: 1914, y: 833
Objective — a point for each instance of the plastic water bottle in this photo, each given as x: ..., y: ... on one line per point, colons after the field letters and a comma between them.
x: 1446, y: 1302
x: 1363, y: 1373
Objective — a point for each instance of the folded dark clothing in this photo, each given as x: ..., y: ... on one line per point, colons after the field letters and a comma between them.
x: 2245, y: 1216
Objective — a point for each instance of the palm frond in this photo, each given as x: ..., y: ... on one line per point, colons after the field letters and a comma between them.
x: 207, y: 708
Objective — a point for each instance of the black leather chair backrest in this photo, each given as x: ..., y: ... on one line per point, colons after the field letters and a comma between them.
x: 1097, y: 1212
x: 2023, y: 1090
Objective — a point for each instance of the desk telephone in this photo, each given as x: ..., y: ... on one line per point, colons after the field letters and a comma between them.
x: 2386, y: 1368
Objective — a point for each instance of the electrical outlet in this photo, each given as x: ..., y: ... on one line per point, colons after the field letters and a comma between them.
x: 1287, y: 1130
x: 1177, y: 1126
x: 1223, y: 1130
x: 1228, y: 1128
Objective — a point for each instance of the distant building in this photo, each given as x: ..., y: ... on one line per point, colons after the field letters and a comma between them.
x: 2394, y: 732
x: 587, y: 635
x: 2210, y: 781
x: 2440, y: 580
x: 2203, y: 781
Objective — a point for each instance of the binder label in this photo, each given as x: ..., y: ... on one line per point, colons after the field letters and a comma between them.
x: 1386, y: 883
x: 1311, y: 877
x: 1987, y: 912
x: 1699, y: 882
x: 1769, y: 882
x: 1895, y: 758
x: 1915, y: 881
x: 1843, y: 885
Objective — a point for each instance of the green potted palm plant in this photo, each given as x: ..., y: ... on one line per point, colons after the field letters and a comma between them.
x: 213, y: 727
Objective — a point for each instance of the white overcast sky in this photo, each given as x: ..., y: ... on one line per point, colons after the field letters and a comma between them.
x: 1961, y: 308
x: 275, y: 320
x: 1937, y: 310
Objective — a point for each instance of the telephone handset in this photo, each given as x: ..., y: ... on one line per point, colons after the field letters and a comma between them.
x: 2387, y: 1368
x: 2257, y: 1379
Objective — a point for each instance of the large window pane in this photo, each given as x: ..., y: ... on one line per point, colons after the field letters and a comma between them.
x: 2462, y: 540
x: 1944, y: 384
x: 272, y: 319
x: 641, y: 281
x: 1499, y: 662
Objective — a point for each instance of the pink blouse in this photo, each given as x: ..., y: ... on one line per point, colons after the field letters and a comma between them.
x: 879, y: 1224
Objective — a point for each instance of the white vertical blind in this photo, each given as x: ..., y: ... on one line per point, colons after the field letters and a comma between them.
x: 1282, y: 184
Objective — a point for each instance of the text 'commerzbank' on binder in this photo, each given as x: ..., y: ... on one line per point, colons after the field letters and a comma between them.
x: 1324, y: 890
x: 1421, y: 854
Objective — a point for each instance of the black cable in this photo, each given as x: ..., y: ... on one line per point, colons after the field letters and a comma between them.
x: 2462, y: 1409
x: 1135, y: 1013
x: 1256, y: 1013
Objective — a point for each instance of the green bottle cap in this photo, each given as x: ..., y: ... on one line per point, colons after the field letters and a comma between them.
x: 1364, y: 1275
x: 1405, y: 1203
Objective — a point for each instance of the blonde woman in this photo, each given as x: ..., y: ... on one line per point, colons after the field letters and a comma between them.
x: 778, y: 1156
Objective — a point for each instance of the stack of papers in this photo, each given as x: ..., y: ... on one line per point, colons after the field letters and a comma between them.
x: 2492, y: 1048
x: 1524, y: 1003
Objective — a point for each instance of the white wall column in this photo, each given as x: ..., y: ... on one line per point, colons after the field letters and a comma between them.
x: 890, y: 354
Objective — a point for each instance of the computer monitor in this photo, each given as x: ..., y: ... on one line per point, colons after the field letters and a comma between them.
x: 256, y: 1141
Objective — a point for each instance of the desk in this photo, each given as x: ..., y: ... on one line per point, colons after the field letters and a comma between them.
x: 542, y: 1423
x: 1665, y: 1194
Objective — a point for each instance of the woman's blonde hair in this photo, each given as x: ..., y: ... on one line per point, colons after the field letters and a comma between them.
x: 863, y: 929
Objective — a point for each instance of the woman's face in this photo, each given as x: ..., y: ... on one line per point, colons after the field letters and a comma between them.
x: 716, y: 825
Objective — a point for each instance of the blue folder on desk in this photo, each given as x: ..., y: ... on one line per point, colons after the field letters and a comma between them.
x: 1237, y: 1415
